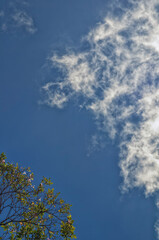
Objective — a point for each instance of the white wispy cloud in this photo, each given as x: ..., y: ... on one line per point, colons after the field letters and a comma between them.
x: 16, y: 16
x: 118, y: 76
x: 23, y: 20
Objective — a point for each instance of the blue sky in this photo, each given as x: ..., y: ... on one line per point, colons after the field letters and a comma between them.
x: 79, y: 103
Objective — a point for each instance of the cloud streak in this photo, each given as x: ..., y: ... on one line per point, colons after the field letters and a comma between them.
x: 118, y: 76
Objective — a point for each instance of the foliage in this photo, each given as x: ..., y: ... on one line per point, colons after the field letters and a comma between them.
x: 28, y: 211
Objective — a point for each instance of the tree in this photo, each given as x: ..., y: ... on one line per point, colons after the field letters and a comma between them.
x: 28, y: 211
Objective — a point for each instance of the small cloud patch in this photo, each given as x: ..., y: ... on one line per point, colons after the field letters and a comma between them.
x: 15, y: 17
x: 23, y: 20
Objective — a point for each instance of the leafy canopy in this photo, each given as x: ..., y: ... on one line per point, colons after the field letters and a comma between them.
x: 28, y: 211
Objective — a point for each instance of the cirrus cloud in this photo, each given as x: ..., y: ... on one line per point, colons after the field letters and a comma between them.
x: 118, y: 77
x: 23, y: 20
x: 15, y: 16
